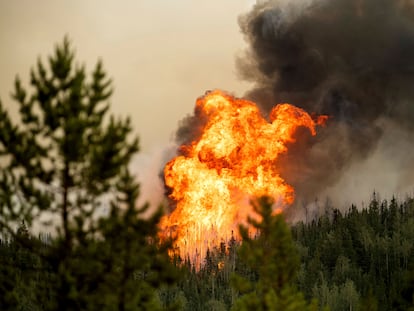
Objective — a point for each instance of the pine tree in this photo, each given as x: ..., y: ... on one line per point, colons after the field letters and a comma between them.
x: 66, y: 160
x: 274, y: 257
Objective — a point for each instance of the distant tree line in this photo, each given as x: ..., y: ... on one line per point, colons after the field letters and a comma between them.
x: 361, y: 259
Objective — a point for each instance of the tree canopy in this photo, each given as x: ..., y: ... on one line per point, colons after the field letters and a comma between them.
x: 272, y: 255
x: 64, y: 168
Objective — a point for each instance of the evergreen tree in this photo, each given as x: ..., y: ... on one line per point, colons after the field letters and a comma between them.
x: 273, y: 256
x: 66, y: 161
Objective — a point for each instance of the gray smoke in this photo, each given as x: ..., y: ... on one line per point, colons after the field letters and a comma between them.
x: 350, y: 59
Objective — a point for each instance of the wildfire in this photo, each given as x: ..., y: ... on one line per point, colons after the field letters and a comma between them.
x: 232, y: 161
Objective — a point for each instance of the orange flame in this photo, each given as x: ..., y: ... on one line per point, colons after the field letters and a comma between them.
x: 231, y: 162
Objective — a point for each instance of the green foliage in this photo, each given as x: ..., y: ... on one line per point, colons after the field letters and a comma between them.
x: 359, y: 259
x: 64, y: 165
x: 273, y: 256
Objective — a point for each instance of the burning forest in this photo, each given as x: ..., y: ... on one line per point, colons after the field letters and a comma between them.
x: 348, y: 62
x: 233, y: 160
x: 330, y: 109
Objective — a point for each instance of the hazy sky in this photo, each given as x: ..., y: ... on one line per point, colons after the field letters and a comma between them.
x: 161, y: 55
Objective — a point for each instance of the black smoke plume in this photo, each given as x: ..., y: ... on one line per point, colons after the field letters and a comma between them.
x: 350, y: 59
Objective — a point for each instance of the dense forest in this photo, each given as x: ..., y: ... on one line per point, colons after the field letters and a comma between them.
x: 361, y: 259
x: 64, y: 171
x: 358, y: 259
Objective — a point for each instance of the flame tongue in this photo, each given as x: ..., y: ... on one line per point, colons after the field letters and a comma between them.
x: 232, y: 161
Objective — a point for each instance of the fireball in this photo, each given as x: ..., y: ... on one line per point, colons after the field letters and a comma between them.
x: 232, y: 161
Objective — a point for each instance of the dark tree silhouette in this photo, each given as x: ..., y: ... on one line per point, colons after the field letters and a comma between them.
x: 64, y: 164
x: 273, y: 256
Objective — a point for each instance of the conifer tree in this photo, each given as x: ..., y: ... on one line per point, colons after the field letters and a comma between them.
x: 273, y: 256
x: 64, y: 164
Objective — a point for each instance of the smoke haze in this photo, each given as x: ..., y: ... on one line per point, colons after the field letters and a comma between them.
x: 352, y: 60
